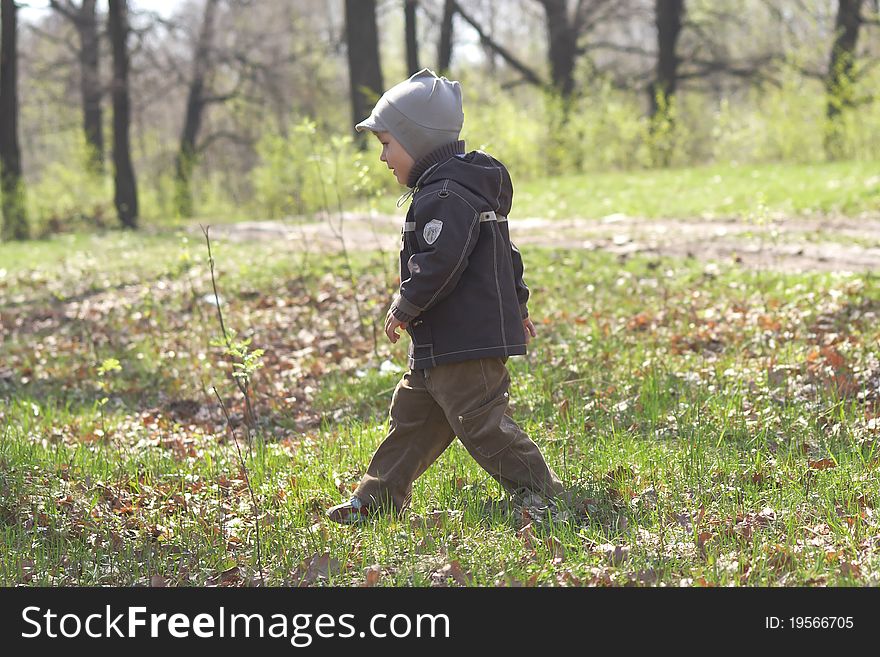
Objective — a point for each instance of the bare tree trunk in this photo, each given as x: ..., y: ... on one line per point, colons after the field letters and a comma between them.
x: 364, y: 66
x: 90, y: 83
x: 125, y: 195
x: 14, y: 218
x: 412, y: 39
x: 195, y: 105
x: 839, y: 82
x: 668, y: 17
x: 562, y: 39
x: 491, y: 56
x: 444, y: 51
x: 85, y: 20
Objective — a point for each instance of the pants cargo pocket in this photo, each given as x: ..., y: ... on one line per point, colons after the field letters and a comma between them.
x: 482, y: 428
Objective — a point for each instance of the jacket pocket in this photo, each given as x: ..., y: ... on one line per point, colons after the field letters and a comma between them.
x: 420, y: 333
x: 483, y: 428
x: 422, y: 341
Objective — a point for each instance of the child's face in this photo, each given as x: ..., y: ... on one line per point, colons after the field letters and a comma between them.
x: 395, y: 156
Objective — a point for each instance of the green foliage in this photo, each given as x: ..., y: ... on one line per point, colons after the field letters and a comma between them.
x: 245, y: 361
x: 609, y: 129
x: 312, y: 169
x: 509, y: 130
x: 69, y: 195
x: 14, y: 224
x: 109, y: 365
x: 853, y: 114
x: 778, y: 124
x: 535, y: 137
x: 661, y: 137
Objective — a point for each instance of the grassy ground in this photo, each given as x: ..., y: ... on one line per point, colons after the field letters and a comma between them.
x: 714, y: 425
x: 710, y: 191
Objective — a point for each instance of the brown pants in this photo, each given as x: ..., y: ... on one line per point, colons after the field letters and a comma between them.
x: 429, y: 408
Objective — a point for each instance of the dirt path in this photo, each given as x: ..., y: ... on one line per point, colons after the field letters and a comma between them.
x: 827, y: 243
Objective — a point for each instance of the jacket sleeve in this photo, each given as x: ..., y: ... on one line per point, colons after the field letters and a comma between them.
x: 522, y: 290
x: 446, y: 229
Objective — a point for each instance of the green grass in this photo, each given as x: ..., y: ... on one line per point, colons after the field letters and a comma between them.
x: 709, y: 191
x: 713, y: 426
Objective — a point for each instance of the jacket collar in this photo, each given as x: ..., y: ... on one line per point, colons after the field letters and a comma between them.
x: 432, y: 159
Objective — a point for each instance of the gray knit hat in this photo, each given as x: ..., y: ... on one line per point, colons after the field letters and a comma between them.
x: 423, y: 113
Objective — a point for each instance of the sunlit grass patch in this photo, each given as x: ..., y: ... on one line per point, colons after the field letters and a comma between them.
x: 714, y: 425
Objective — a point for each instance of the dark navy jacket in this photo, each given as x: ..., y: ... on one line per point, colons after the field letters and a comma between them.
x: 461, y: 277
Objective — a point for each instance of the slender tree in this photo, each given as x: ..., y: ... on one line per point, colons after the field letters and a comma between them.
x: 195, y: 106
x: 412, y: 41
x: 125, y: 195
x: 364, y: 67
x: 840, y: 77
x: 562, y: 34
x: 444, y: 50
x: 85, y: 20
x: 668, y: 15
x: 15, y: 223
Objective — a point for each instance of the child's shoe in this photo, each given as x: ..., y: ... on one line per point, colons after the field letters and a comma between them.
x: 349, y: 513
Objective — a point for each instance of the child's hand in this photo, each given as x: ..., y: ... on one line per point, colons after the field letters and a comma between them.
x: 529, y: 329
x: 391, y: 326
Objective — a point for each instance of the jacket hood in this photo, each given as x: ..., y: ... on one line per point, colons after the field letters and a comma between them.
x: 477, y: 171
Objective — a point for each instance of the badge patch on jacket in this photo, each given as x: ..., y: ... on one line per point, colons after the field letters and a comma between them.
x: 432, y: 230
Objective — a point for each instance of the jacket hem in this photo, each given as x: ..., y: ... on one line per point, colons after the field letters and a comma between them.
x: 426, y: 362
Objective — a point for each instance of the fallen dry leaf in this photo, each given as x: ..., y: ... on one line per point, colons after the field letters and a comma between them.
x: 620, y: 473
x: 833, y: 357
x: 647, y: 576
x: 779, y: 557
x: 614, y: 554
x: 567, y: 579
x: 704, y: 538
x: 766, y: 516
x: 556, y: 548
x: 510, y: 582
x: 850, y: 569
x: 563, y: 408
x: 527, y: 536
x: 317, y: 566
x: 683, y: 519
x: 453, y: 571
x: 371, y: 575
x: 228, y: 577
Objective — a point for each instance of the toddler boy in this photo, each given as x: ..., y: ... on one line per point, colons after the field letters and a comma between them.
x: 462, y: 299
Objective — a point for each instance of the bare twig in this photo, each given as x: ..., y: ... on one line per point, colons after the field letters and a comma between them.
x: 223, y: 134
x: 243, y: 386
x: 247, y: 480
x: 506, y: 55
